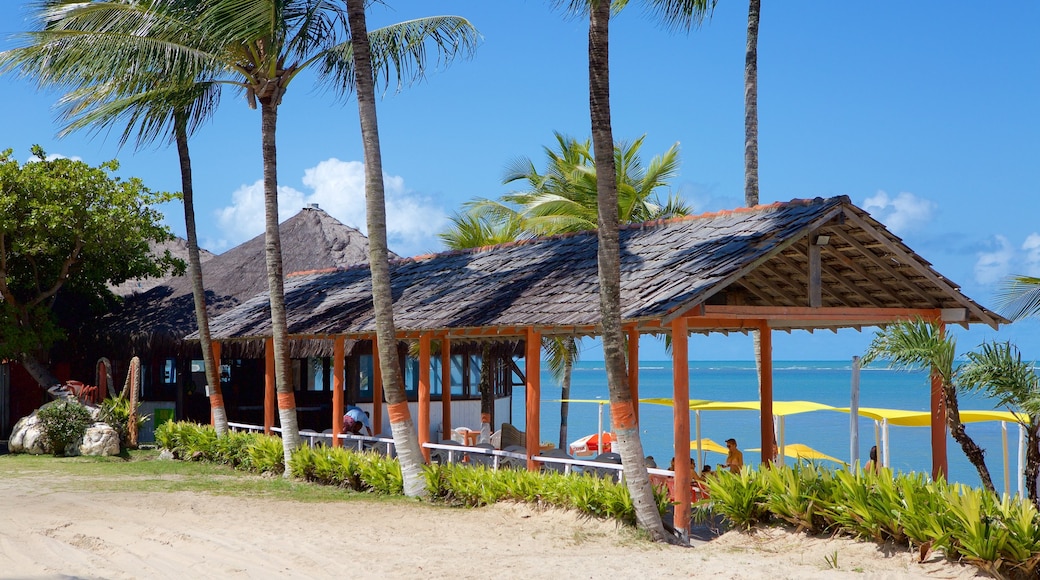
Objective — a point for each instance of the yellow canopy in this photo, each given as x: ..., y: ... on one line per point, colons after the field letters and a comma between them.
x: 924, y: 418
x: 800, y: 451
x: 709, y: 445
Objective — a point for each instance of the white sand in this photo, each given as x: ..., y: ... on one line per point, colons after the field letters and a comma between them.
x: 47, y: 532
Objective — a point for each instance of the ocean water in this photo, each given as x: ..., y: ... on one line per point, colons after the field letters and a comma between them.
x: 827, y: 382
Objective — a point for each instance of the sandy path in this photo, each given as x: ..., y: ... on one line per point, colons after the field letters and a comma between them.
x: 46, y: 532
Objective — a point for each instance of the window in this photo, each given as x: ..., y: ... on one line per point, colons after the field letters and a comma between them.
x: 366, y: 377
x: 170, y: 371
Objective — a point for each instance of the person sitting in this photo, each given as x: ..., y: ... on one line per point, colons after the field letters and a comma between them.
x: 872, y: 465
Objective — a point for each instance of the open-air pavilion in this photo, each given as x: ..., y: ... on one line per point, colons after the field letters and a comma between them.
x: 812, y: 265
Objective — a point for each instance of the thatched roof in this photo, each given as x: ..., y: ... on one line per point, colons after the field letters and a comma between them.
x: 178, y: 248
x: 162, y: 316
x: 720, y: 270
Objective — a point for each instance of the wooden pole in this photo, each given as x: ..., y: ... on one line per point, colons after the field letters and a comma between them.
x: 446, y: 388
x: 938, y: 408
x: 681, y: 420
x: 854, y: 414
x: 215, y: 345
x: 766, y: 393
x: 338, y: 351
x: 269, y: 401
x: 377, y: 391
x: 633, y: 369
x: 424, y: 393
x: 533, y: 369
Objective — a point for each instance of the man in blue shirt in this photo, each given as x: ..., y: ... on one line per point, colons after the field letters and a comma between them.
x: 359, y: 415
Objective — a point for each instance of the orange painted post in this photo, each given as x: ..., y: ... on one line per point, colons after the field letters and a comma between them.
x: 681, y: 427
x: 377, y: 391
x: 446, y: 387
x: 765, y: 393
x: 338, y: 353
x: 269, y: 400
x: 633, y: 369
x: 424, y: 393
x: 217, y: 398
x: 938, y: 407
x: 533, y: 369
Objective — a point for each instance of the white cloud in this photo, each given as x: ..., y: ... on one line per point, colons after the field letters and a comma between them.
x: 338, y: 187
x: 901, y: 213
x: 52, y: 157
x: 1031, y: 258
x: 991, y: 267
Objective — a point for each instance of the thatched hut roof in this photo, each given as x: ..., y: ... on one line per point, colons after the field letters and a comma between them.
x: 162, y: 316
x: 808, y: 264
x: 178, y: 248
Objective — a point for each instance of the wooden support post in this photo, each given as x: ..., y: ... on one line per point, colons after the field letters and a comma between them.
x: 338, y: 352
x: 269, y: 388
x: 633, y: 369
x: 533, y: 403
x: 424, y: 393
x: 215, y: 345
x: 377, y: 391
x: 765, y: 392
x: 938, y: 407
x: 446, y: 388
x: 815, y: 275
x: 681, y: 419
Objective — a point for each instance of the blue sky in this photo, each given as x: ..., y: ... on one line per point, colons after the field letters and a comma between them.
x: 921, y: 112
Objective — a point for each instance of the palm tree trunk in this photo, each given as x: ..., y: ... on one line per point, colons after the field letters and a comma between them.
x: 975, y: 454
x: 38, y: 371
x: 273, y: 247
x: 487, y: 399
x: 405, y: 437
x: 1033, y: 458
x: 629, y: 445
x: 198, y: 291
x: 751, y: 106
x: 565, y: 393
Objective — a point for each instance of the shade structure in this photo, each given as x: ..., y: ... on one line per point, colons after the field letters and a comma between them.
x: 709, y: 445
x: 802, y: 451
x: 592, y: 444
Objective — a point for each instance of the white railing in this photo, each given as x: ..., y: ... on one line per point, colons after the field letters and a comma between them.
x: 313, y: 437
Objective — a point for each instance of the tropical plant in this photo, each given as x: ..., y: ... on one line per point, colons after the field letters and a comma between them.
x: 1019, y: 297
x: 921, y: 344
x: 63, y: 423
x: 997, y: 369
x: 682, y: 13
x: 115, y: 412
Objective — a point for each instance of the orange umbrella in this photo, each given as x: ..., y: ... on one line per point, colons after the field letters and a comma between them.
x: 592, y: 444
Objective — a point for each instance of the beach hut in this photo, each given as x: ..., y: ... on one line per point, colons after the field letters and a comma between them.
x: 819, y: 264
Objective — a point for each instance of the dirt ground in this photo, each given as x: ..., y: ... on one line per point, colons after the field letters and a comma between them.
x: 47, y: 531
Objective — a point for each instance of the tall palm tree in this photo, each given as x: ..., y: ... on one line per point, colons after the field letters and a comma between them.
x: 681, y: 13
x: 997, y: 370
x: 921, y: 344
x: 158, y: 109
x: 259, y: 47
x: 405, y: 439
x: 1019, y: 297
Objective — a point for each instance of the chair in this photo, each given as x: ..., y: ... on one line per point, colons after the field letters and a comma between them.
x: 443, y: 456
x: 308, y: 435
x: 513, y: 462
x: 512, y: 436
x: 553, y: 466
x: 482, y: 458
x: 606, y: 473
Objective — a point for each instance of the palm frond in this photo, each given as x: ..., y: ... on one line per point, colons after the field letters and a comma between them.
x: 1019, y: 297
x: 997, y: 369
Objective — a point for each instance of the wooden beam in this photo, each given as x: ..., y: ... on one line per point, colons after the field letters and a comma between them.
x: 922, y: 269
x: 424, y: 394
x: 269, y: 385
x: 824, y: 313
x: 815, y: 274
x: 887, y: 268
x: 338, y: 354
x: 446, y: 388
x: 681, y: 423
x: 765, y: 392
x: 533, y: 403
x: 854, y: 288
x: 940, y: 468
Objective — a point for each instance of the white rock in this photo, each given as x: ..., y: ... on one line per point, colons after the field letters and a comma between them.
x: 100, y: 439
x: 27, y: 437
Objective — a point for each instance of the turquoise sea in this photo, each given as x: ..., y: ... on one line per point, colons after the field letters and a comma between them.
x: 827, y: 382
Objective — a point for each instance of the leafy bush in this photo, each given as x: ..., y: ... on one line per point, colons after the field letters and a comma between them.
x: 115, y: 411
x: 740, y: 497
x: 63, y: 423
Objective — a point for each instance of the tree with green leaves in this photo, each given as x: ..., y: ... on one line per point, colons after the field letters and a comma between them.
x: 67, y: 228
x: 561, y: 198
x: 923, y: 345
x: 997, y: 370
x: 682, y: 13
x: 1019, y: 297
x: 258, y: 47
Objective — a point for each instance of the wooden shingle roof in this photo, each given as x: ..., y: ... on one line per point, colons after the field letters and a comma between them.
x: 811, y: 264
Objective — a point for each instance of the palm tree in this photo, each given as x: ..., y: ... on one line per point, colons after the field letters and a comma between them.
x: 157, y: 109
x: 259, y: 47
x: 561, y: 199
x: 997, y: 370
x: 405, y: 440
x: 1019, y: 297
x: 921, y: 344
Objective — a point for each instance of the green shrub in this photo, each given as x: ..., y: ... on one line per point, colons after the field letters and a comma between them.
x: 115, y: 411
x: 64, y: 423
x: 794, y: 494
x: 739, y: 497
x: 265, y: 454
